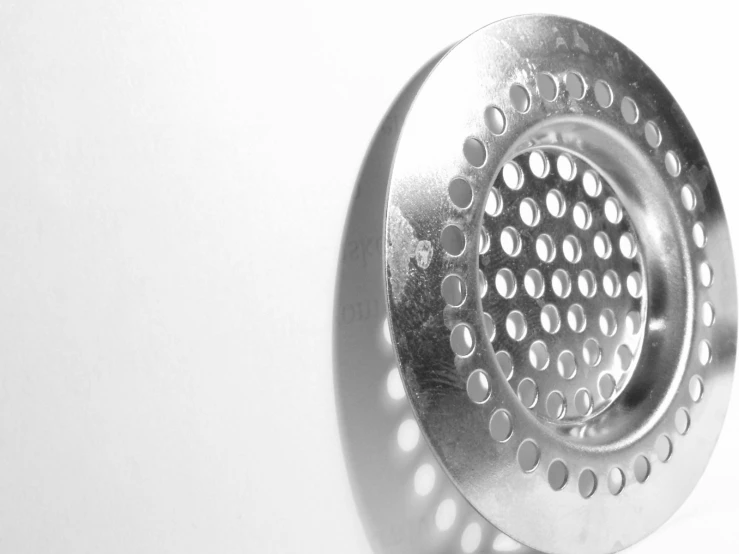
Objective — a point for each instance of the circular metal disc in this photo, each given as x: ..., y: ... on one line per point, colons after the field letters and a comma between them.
x: 560, y: 285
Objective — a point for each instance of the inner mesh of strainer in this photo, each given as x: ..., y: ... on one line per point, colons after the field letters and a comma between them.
x: 562, y: 281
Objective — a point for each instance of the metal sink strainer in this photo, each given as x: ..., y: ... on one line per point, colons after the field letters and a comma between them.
x: 536, y: 310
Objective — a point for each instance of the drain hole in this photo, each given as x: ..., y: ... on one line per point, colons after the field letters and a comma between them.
x: 613, y: 210
x: 582, y: 215
x: 471, y: 538
x: 495, y: 120
x: 561, y: 283
x: 556, y: 203
x: 587, y: 283
x: 566, y: 365
x: 452, y: 240
x: 394, y: 385
x: 547, y: 86
x: 696, y: 388
x: 706, y: 274
x: 664, y: 448
x: 556, y: 405
x: 588, y: 484
x: 520, y: 98
x: 624, y: 357
x: 672, y: 163
x: 627, y: 244
x: 482, y: 283
x: 606, y: 386
x: 611, y: 283
x: 533, y: 282
x: 487, y: 319
x: 634, y: 284
x: 591, y: 183
x: 505, y: 283
x: 576, y: 318
x: 478, y: 387
x: 575, y: 86
x: 510, y: 241
x: 539, y: 164
x: 528, y: 393
x: 566, y: 167
x: 539, y: 355
x: 704, y: 352
x: 453, y: 290
x: 591, y: 352
x: 602, y: 245
x: 528, y: 456
x: 446, y: 514
x: 505, y: 362
x: 633, y: 322
x: 688, y: 197
x: 484, y: 244
x: 529, y: 212
x: 682, y: 421
x: 583, y: 402
x: 408, y: 435
x: 550, y: 320
x: 545, y: 248
x: 652, y: 134
x: 462, y: 340
x: 608, y: 323
x: 474, y: 152
x: 699, y: 235
x: 642, y: 469
x: 500, y: 426
x: 513, y: 175
x: 494, y: 205
x: 424, y: 480
x: 629, y: 110
x: 516, y: 325
x: 460, y: 193
x: 571, y: 249
x: 616, y: 481
x: 603, y: 94
x: 558, y: 475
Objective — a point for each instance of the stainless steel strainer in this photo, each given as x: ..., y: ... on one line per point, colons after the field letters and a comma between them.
x: 536, y: 311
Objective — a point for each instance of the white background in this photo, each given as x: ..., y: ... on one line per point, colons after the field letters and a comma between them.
x: 174, y: 177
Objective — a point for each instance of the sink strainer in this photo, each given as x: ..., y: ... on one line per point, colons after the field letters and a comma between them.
x: 554, y: 269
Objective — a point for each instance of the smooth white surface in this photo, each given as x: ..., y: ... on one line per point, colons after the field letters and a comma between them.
x: 174, y: 177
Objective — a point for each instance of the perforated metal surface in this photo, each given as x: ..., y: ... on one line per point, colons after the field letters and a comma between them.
x: 561, y: 301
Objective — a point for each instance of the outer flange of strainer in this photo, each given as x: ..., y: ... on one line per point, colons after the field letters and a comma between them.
x: 495, y: 385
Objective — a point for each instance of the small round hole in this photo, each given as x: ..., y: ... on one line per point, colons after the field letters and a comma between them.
x: 394, y: 385
x: 591, y: 183
x: 652, y: 134
x: 696, y: 388
x: 478, y: 386
x: 705, y: 354
x: 633, y: 322
x: 495, y: 120
x: 550, y: 320
x: 682, y: 421
x: 699, y: 235
x: 556, y: 203
x: 672, y: 163
x: 571, y: 249
x: 602, y: 245
x: 587, y: 283
x: 539, y: 355
x: 561, y: 283
x: 462, y: 340
x: 471, y: 538
x: 452, y: 240
x: 424, y: 480
x: 583, y: 402
x: 558, y: 475
x: 591, y: 352
x: 588, y: 484
x: 547, y: 86
x: 566, y: 365
x: 529, y: 212
x: 664, y: 448
x: 576, y: 318
x: 533, y: 282
x: 453, y: 290
x: 539, y: 164
x: 608, y: 323
x: 494, y: 205
x: 528, y: 456
x: 642, y: 469
x: 482, y: 283
x: 528, y: 393
x: 505, y: 362
x: 613, y: 210
x: 510, y: 241
x: 634, y: 284
x: 484, y: 242
x: 408, y: 435
x: 606, y: 386
x: 624, y: 356
x: 627, y: 245
x: 513, y: 175
x: 611, y: 283
x: 566, y: 167
x: 474, y: 152
x: 556, y: 405
x: 487, y: 320
x: 520, y: 98
x: 603, y: 94
x: 545, y: 248
x: 687, y: 195
x: 460, y: 193
x: 516, y: 325
x: 708, y: 314
x: 501, y: 427
x: 575, y: 86
x: 446, y: 515
x: 582, y: 215
x: 629, y: 110
x: 505, y: 283
x: 616, y: 481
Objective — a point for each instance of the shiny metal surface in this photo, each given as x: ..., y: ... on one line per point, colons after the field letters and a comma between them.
x: 576, y: 410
